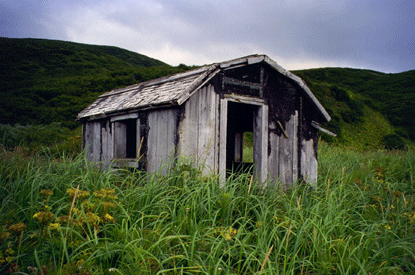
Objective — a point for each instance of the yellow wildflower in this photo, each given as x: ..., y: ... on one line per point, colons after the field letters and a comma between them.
x: 108, y: 218
x: 227, y: 233
x: 54, y: 226
x: 43, y: 216
x: 80, y: 263
x: 107, y: 205
x: 4, y: 235
x: 106, y: 193
x: 46, y: 192
x: 88, y: 206
x: 17, y: 228
x: 9, y: 251
x: 91, y: 218
x: 81, y: 194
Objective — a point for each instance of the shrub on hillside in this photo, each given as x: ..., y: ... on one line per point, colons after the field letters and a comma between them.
x: 394, y: 141
x: 339, y: 94
x: 356, y: 112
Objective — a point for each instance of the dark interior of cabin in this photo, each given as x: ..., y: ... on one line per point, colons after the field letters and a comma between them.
x: 239, y: 132
x: 131, y: 142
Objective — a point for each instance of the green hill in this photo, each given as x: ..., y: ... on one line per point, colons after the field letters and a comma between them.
x: 47, y: 81
x: 369, y: 109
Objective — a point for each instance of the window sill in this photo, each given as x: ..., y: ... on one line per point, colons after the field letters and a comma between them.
x: 123, y: 163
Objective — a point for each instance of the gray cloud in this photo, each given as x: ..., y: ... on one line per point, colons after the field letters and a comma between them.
x: 373, y: 34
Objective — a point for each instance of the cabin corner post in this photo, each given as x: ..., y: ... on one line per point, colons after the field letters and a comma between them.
x: 261, y: 143
x: 223, y: 125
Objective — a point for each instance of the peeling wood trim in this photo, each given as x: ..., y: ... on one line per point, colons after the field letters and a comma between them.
x: 124, y: 117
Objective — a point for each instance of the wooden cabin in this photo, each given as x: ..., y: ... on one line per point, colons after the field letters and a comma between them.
x: 204, y: 114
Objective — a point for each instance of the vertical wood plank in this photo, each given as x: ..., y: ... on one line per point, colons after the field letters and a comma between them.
x: 273, y: 160
x: 105, y: 144
x: 260, y: 135
x: 215, y: 120
x: 152, y: 142
x: 202, y: 129
x: 309, y: 161
x: 89, y: 133
x: 97, y: 141
x: 161, y: 139
x: 294, y: 146
x: 223, y: 124
x: 172, y: 134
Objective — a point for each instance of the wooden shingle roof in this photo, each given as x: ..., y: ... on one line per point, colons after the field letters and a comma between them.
x: 176, y: 89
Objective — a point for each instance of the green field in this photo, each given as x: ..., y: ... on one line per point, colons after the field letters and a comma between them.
x: 359, y: 219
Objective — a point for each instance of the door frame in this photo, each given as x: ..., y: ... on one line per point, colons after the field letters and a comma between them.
x: 260, y: 134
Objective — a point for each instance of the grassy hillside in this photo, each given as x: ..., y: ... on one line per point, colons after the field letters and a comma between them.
x: 48, y: 81
x: 369, y: 109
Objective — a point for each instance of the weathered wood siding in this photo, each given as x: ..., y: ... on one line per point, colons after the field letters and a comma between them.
x: 199, y: 128
x: 93, y: 140
x: 283, y: 156
x: 107, y: 144
x: 260, y: 142
x: 162, y: 137
x: 308, y: 161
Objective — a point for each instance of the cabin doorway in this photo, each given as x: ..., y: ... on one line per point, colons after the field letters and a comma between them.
x: 239, y: 141
x: 245, y: 138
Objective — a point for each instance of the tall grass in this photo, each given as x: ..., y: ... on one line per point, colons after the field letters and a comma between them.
x: 358, y: 220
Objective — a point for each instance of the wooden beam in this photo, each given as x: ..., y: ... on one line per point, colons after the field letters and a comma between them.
x: 237, y: 82
x: 318, y: 127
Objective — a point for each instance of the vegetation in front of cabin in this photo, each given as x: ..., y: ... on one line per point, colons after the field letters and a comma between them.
x: 64, y: 216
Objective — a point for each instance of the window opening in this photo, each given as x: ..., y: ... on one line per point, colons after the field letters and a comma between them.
x: 131, y: 143
x: 125, y: 139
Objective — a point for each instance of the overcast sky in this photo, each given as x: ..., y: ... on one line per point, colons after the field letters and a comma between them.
x: 297, y: 34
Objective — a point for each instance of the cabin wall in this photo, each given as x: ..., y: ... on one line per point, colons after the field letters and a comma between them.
x: 199, y: 129
x: 308, y: 144
x: 283, y: 152
x: 162, y: 139
x: 283, y: 123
